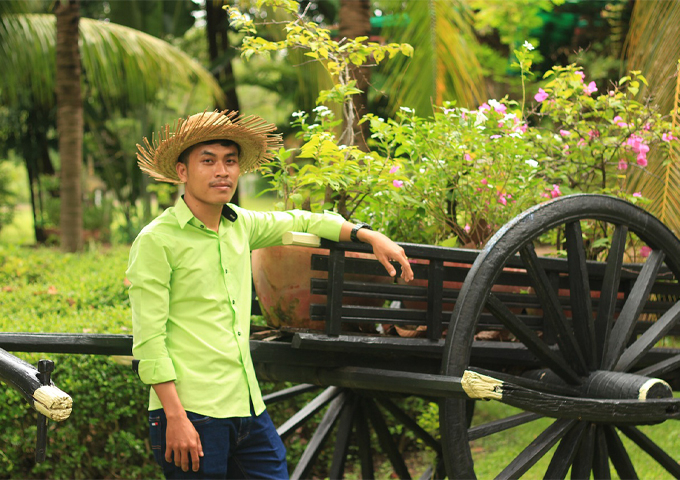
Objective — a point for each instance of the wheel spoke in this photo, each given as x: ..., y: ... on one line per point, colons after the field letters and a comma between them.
x: 618, y: 454
x: 583, y: 461
x: 658, y: 369
x: 552, y: 310
x: 307, y: 412
x: 601, y: 456
x: 501, y: 425
x: 579, y: 293
x: 364, y: 442
x: 386, y: 441
x: 528, y: 380
x: 287, y: 393
x: 343, y: 438
x: 648, y: 339
x: 656, y: 452
x: 536, y: 449
x: 315, y: 444
x: 625, y: 324
x: 411, y: 424
x: 610, y: 290
x: 531, y: 340
x: 566, y: 452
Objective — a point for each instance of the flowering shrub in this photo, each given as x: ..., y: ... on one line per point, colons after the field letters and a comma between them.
x: 462, y: 174
x: 587, y: 142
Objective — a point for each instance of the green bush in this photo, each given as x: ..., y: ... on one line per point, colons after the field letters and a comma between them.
x: 105, y: 437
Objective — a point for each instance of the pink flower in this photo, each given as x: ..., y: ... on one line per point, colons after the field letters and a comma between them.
x: 638, y: 194
x: 590, y: 88
x: 581, y: 74
x: 467, y: 157
x: 581, y: 143
x: 555, y: 192
x: 493, y: 137
x: 523, y: 128
x: 612, y: 93
x: 467, y: 228
x: 667, y: 137
x: 484, y: 107
x: 623, y: 164
x: 637, y: 144
x: 463, y: 116
x: 394, y: 169
x: 502, y: 200
x: 500, y: 124
x: 565, y: 133
x: 593, y: 133
x: 500, y: 108
x: 642, y: 160
x: 645, y: 251
x: 397, y: 183
x: 484, y: 181
x: 619, y: 121
x: 647, y: 127
x: 541, y: 95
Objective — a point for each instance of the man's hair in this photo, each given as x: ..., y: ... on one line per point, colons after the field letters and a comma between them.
x: 184, y: 156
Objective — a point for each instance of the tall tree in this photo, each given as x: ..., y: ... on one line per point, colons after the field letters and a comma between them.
x: 69, y: 124
x: 219, y: 51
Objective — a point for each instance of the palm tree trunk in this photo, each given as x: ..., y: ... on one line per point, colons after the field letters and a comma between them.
x: 69, y: 123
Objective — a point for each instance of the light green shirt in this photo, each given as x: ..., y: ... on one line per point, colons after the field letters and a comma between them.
x: 191, y: 296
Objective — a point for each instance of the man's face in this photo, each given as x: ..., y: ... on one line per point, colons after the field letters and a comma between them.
x: 211, y: 173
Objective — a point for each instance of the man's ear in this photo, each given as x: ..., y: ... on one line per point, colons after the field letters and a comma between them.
x: 181, y: 171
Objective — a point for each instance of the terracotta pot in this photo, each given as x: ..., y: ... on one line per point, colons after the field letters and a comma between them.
x: 282, y: 277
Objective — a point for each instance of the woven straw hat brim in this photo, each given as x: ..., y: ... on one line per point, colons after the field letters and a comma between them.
x: 252, y: 133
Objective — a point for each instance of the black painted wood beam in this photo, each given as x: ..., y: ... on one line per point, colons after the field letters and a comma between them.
x: 579, y: 292
x: 537, y: 449
x: 411, y: 424
x: 583, y: 462
x: 625, y: 324
x: 618, y: 454
x: 666, y: 365
x: 566, y: 452
x: 364, y: 442
x: 385, y: 439
x: 552, y: 310
x: 647, y: 340
x: 311, y: 453
x: 308, y: 411
x: 287, y: 393
x: 610, y: 289
x: 343, y: 437
x: 532, y: 341
x: 656, y: 452
x: 496, y: 426
x: 601, y: 468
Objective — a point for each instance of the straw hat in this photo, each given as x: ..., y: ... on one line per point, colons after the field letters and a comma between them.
x: 252, y: 133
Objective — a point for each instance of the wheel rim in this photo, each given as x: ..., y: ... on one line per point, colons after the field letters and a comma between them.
x: 581, y: 443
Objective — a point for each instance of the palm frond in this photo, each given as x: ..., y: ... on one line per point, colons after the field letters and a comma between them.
x: 653, y: 46
x: 122, y: 66
x: 443, y: 66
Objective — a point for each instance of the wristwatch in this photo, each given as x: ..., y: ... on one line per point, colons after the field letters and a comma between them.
x: 355, y: 230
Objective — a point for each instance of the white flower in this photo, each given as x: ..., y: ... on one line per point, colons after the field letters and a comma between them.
x: 532, y: 163
x: 528, y: 46
x: 406, y: 109
x: 481, y: 118
x: 320, y: 108
x: 494, y: 103
x: 514, y: 135
x: 298, y: 114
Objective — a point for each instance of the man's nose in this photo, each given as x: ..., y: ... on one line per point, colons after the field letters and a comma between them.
x: 221, y: 169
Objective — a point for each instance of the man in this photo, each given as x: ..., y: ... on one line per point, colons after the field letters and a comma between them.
x: 190, y: 296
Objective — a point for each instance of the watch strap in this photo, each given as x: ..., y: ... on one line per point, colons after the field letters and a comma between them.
x: 355, y: 230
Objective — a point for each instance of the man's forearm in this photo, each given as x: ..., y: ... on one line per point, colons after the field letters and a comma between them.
x: 167, y: 394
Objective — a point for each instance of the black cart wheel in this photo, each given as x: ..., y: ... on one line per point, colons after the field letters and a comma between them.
x: 355, y: 427
x: 589, y: 372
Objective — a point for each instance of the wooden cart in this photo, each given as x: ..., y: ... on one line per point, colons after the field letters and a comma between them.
x: 586, y: 345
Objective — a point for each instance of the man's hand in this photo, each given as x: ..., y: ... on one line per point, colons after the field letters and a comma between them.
x: 385, y: 250
x: 183, y: 443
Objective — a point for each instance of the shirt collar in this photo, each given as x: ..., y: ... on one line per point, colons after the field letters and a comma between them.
x: 183, y: 214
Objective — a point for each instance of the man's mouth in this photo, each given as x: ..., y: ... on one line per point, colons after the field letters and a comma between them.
x: 221, y: 186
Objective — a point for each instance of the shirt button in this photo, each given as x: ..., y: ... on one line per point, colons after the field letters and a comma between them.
x: 202, y: 226
x: 225, y: 270
x: 233, y: 302
x: 239, y: 334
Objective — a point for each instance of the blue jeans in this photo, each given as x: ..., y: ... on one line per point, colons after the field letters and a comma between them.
x: 239, y: 447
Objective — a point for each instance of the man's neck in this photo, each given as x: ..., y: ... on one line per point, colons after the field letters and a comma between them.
x: 210, y: 215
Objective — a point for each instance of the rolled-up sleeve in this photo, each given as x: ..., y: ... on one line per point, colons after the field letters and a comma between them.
x: 267, y: 228
x: 149, y: 273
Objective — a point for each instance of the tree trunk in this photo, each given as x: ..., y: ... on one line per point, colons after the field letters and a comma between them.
x: 355, y: 21
x: 69, y: 124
